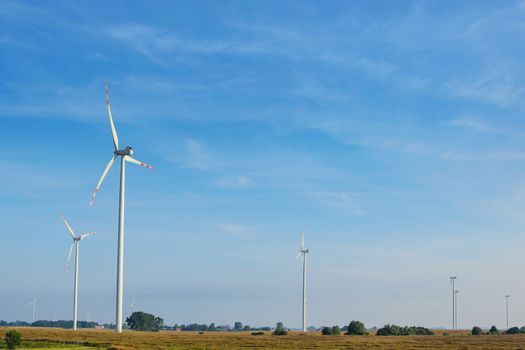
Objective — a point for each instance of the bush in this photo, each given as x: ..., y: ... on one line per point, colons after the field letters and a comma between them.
x: 258, y: 333
x: 336, y: 330
x: 326, y: 331
x: 280, y: 329
x: 476, y: 331
x: 493, y: 330
x: 513, y: 330
x: 356, y: 328
x: 141, y: 321
x: 12, y: 339
x: 397, y: 330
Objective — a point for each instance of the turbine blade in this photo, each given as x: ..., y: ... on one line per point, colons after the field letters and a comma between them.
x: 69, y: 256
x: 113, y: 130
x: 87, y: 235
x: 302, y: 241
x: 111, y: 161
x: 132, y: 160
x: 298, y: 255
x: 68, y: 226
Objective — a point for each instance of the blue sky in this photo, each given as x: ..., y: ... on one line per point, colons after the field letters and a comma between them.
x: 389, y: 132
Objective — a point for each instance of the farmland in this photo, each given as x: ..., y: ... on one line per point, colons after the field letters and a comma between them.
x: 105, y: 339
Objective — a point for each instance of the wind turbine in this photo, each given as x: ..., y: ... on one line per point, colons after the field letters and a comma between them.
x: 133, y: 307
x: 456, y: 301
x: 33, y: 303
x: 125, y: 155
x: 76, y: 241
x: 453, y: 283
x: 303, y: 252
x: 507, y: 296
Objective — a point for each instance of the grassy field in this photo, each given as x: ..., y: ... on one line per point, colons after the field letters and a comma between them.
x: 105, y: 339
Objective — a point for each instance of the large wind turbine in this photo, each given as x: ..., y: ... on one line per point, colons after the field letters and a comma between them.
x: 303, y: 252
x: 125, y: 155
x: 76, y: 240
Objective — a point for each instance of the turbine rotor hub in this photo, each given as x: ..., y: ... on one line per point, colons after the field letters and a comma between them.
x: 128, y: 151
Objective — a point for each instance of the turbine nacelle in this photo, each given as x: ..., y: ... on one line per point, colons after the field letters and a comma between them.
x: 128, y: 151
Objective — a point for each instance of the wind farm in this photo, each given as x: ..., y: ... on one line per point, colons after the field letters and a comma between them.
x: 381, y: 143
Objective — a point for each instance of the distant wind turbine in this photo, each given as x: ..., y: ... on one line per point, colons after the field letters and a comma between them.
x: 125, y: 155
x: 303, y: 252
x: 133, y: 306
x: 456, y: 292
x: 453, y: 283
x: 76, y: 241
x: 507, y: 297
x: 33, y: 303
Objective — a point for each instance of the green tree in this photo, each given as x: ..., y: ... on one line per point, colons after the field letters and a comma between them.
x: 237, y: 326
x: 336, y: 330
x: 13, y: 339
x: 141, y: 321
x: 392, y: 329
x: 513, y: 330
x: 356, y: 328
x: 476, y: 331
x: 493, y: 330
x: 326, y: 331
x: 280, y: 329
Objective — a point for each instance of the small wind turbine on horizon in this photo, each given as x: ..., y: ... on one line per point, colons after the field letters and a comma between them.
x: 33, y: 303
x: 456, y: 292
x: 133, y: 307
x: 303, y: 252
x: 125, y: 156
x: 507, y: 297
x: 76, y: 241
x: 453, y: 283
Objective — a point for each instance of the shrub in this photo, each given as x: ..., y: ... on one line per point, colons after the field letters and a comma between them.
x: 280, y: 329
x: 356, y: 328
x: 258, y: 333
x: 397, y: 330
x: 336, y: 330
x: 326, y: 331
x: 476, y: 331
x: 513, y: 330
x: 493, y: 330
x: 13, y: 339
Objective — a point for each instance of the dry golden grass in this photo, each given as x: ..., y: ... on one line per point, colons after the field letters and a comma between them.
x: 239, y: 340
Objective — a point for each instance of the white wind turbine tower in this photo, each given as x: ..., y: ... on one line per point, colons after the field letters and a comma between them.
x: 125, y: 155
x: 76, y: 241
x: 33, y: 303
x: 303, y: 252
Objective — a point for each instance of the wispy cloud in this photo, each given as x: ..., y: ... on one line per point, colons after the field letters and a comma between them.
x: 475, y: 124
x: 233, y: 182
x: 237, y: 231
x: 340, y: 200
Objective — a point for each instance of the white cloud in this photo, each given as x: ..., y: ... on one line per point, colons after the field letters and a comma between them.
x: 237, y: 231
x: 234, y: 182
x: 341, y: 200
